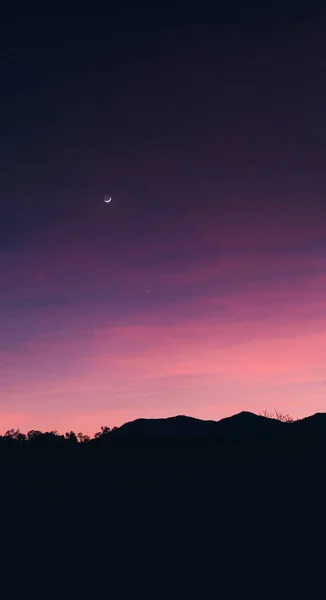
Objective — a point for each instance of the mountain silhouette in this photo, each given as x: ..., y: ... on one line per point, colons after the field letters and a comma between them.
x: 244, y: 424
x: 247, y: 424
x: 309, y: 430
x: 313, y: 422
x: 179, y: 425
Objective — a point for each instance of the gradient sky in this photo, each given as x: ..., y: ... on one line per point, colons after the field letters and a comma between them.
x: 201, y: 288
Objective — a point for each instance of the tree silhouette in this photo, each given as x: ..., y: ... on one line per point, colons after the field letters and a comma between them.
x: 33, y: 435
x: 82, y: 438
x: 104, y: 431
x: 15, y: 434
x: 71, y: 437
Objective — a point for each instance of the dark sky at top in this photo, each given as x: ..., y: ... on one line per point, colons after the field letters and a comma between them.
x: 164, y: 101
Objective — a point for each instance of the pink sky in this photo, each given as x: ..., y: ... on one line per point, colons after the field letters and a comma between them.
x: 207, y: 354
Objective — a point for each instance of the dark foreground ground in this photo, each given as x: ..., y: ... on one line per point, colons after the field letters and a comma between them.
x: 176, y: 517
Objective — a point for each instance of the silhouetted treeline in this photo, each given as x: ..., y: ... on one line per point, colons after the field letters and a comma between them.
x: 52, y: 438
x: 238, y: 436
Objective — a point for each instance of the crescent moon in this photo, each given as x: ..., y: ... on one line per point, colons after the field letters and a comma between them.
x: 107, y: 201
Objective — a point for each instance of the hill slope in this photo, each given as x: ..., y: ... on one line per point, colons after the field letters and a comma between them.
x: 244, y: 424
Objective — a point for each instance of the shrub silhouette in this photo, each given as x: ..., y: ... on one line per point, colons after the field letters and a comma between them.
x: 277, y: 415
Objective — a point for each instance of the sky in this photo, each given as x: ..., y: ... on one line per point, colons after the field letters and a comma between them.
x: 200, y: 289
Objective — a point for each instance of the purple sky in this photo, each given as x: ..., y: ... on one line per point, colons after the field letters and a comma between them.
x: 201, y: 288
